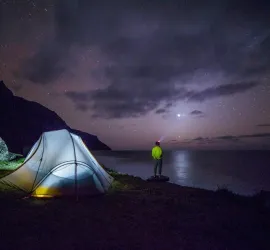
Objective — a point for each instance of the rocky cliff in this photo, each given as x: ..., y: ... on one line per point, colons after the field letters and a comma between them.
x: 22, y: 122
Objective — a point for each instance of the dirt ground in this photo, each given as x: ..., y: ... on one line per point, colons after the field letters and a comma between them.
x: 136, y: 215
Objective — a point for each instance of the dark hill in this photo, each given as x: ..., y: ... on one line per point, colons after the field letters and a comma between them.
x: 22, y: 123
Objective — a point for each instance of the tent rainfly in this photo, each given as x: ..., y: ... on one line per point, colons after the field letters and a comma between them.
x: 59, y: 164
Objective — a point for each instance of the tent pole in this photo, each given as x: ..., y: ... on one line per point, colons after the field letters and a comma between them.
x: 42, y: 138
x: 75, y: 158
x: 76, y: 182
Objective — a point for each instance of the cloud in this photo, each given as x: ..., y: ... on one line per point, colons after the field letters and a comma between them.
x: 263, y: 125
x: 227, y: 138
x: 199, y: 139
x: 197, y: 113
x: 258, y: 135
x: 161, y: 111
x: 151, y: 54
x: 238, y: 137
x: 120, y: 102
x: 82, y: 107
x: 46, y: 65
x: 222, y: 90
x: 202, y: 140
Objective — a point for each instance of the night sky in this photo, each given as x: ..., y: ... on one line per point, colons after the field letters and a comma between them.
x: 193, y: 73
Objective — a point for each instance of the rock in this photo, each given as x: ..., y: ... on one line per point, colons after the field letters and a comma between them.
x: 3, y: 150
x: 4, y: 154
x: 23, y: 122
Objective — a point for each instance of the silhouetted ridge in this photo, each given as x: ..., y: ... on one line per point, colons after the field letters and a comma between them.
x: 22, y: 122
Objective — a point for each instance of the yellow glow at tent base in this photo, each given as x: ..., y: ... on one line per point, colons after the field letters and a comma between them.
x: 42, y: 196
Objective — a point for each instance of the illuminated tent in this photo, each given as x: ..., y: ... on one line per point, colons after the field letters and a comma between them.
x: 59, y: 164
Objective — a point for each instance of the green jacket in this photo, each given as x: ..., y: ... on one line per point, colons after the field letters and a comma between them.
x: 157, y: 152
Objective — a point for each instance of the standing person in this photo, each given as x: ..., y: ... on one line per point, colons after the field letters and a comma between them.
x: 157, y: 156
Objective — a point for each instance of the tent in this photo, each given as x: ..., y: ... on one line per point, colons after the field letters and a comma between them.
x: 59, y: 164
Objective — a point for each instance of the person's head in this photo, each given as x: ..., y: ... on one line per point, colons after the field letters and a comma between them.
x: 157, y: 143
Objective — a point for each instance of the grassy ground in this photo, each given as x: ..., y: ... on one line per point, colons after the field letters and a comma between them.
x: 10, y: 165
x: 136, y: 215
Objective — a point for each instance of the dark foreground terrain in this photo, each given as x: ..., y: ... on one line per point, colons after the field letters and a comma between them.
x: 136, y: 215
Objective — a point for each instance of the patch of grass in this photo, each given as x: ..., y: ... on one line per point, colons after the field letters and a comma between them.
x: 10, y: 165
x: 20, y: 160
x: 119, y: 186
x: 4, y: 163
x: 109, y: 170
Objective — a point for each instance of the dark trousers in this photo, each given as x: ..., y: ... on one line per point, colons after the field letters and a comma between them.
x: 158, y: 166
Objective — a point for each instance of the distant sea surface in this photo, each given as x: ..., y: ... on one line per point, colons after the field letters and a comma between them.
x: 243, y: 172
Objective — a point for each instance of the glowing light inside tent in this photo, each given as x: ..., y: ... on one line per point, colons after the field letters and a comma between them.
x: 42, y: 191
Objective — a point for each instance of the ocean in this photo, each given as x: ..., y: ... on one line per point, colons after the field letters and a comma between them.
x: 242, y: 172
